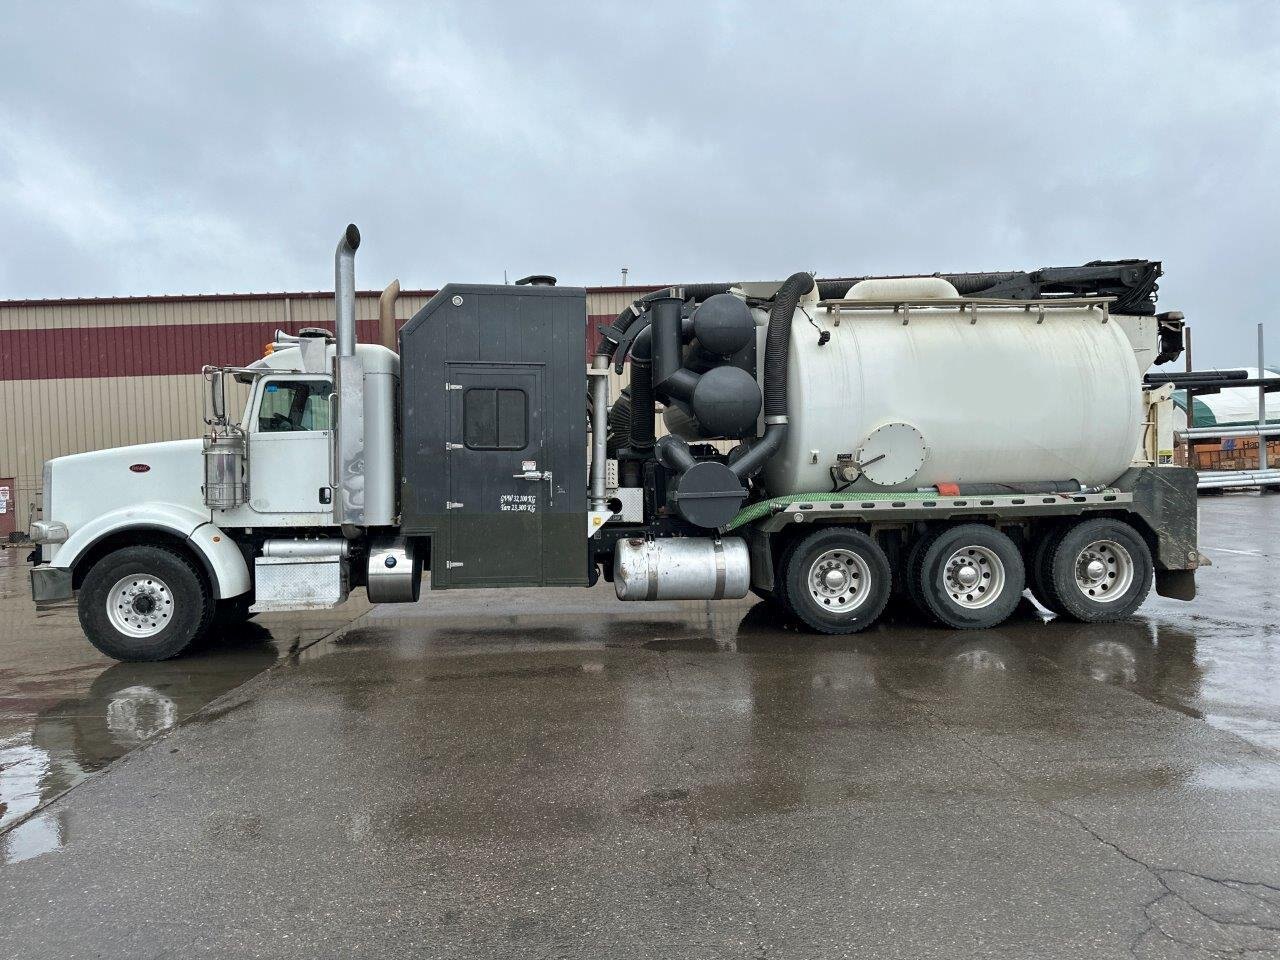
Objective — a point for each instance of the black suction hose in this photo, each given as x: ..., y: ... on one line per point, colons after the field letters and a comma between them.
x: 777, y: 350
x: 642, y: 413
x: 609, y: 336
x: 642, y: 402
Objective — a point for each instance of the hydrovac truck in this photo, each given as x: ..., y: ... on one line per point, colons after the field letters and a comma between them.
x: 951, y: 439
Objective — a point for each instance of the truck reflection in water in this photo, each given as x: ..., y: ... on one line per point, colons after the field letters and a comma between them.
x: 127, y: 705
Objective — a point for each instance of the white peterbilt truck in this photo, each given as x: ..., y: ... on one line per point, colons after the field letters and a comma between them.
x: 952, y: 438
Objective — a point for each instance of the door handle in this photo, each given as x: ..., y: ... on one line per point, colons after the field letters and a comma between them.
x: 540, y: 475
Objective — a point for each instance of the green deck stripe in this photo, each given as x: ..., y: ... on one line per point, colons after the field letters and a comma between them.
x: 768, y: 507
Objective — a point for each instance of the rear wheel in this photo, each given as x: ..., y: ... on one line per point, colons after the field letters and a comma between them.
x: 144, y: 603
x: 911, y: 572
x: 836, y: 580
x: 1099, y: 570
x: 1039, y: 572
x: 970, y: 577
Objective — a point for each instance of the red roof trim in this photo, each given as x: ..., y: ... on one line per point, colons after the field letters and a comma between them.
x: 68, y: 353
x: 200, y: 297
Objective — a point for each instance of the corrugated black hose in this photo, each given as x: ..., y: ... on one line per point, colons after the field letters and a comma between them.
x: 643, y: 412
x: 777, y: 350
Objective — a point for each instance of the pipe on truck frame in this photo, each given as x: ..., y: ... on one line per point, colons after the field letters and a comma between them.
x: 599, y: 430
x: 387, y: 315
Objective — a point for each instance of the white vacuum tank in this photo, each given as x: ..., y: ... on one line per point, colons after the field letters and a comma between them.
x: 943, y: 400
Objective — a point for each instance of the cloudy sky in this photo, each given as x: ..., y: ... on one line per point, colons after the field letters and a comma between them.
x: 172, y: 147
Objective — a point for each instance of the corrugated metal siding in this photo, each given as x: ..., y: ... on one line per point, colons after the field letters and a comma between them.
x: 48, y: 414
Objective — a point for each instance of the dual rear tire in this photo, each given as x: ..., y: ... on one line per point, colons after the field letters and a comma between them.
x: 1095, y: 571
x: 967, y: 577
x: 835, y: 580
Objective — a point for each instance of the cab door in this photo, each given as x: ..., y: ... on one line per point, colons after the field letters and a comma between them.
x: 290, y: 444
x: 500, y: 478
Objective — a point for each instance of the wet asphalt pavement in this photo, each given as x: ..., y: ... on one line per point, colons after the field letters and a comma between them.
x: 551, y: 773
x: 67, y: 711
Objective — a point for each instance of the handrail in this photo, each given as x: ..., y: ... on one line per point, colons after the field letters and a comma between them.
x: 903, y: 306
x: 960, y: 301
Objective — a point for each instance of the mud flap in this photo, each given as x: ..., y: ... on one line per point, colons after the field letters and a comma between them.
x: 1176, y: 584
x: 1166, y: 500
x: 761, y: 559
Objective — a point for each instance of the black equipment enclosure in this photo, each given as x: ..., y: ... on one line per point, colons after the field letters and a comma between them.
x: 493, y: 434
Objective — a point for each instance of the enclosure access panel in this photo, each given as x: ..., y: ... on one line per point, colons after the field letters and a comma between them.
x: 494, y: 435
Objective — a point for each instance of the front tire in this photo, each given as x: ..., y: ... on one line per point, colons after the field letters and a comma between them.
x: 836, y: 580
x: 144, y: 603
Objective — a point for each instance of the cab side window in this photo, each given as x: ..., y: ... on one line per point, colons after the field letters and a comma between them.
x: 292, y: 405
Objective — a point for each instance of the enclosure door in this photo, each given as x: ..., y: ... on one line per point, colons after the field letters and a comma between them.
x: 500, y: 481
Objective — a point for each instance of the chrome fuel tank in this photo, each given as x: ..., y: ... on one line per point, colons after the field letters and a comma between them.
x: 682, y: 568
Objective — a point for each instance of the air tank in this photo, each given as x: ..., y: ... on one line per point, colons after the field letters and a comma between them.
x: 900, y: 400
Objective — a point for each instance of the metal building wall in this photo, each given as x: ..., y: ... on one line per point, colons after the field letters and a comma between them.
x: 80, y: 375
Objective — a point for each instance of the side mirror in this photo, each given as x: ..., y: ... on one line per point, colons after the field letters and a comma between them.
x: 215, y: 397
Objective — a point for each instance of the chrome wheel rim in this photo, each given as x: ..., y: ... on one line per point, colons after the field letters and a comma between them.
x: 839, y: 580
x: 140, y: 605
x: 1104, y: 571
x: 973, y: 577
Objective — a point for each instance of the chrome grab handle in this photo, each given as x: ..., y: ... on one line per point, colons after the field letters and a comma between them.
x: 540, y: 475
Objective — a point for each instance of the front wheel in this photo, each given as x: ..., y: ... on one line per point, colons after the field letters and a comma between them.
x: 836, y: 580
x: 144, y: 603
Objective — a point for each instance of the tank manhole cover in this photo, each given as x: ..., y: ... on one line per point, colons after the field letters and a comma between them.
x: 892, y: 454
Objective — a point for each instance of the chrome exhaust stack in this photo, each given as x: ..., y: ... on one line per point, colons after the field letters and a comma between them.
x: 344, y: 290
x: 348, y: 372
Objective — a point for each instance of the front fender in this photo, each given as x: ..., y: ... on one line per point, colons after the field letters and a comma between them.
x: 219, y: 554
x: 226, y: 563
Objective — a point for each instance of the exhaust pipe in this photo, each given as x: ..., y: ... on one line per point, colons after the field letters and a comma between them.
x: 348, y: 429
x: 344, y: 291
x: 387, y: 315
